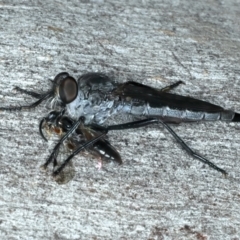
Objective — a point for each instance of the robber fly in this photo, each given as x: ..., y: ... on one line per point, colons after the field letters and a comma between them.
x: 58, y: 124
x: 95, y: 97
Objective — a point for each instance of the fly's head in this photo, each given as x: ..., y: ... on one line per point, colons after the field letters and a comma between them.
x: 63, y: 92
x: 66, y: 88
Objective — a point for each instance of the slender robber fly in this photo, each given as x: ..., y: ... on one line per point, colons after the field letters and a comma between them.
x: 95, y: 97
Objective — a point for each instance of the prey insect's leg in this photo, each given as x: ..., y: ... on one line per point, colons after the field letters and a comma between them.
x: 170, y: 87
x: 79, y: 149
x: 142, y: 123
x: 56, y: 148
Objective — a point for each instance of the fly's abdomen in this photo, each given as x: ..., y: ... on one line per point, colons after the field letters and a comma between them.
x: 225, y: 115
x: 177, y: 115
x: 141, y: 100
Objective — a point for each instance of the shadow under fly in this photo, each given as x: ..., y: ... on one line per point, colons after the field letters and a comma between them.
x: 94, y: 98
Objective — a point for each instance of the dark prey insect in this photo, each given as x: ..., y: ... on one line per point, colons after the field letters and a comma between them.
x: 58, y: 124
x: 95, y: 97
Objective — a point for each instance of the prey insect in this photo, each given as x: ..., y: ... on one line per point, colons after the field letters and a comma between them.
x: 95, y: 98
x: 58, y: 124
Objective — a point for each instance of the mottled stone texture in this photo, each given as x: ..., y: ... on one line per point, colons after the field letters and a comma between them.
x: 159, y: 192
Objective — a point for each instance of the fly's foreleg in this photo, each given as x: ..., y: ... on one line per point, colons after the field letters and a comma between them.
x: 30, y: 93
x: 26, y: 107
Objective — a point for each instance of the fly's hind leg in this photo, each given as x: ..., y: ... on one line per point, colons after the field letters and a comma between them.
x: 150, y: 121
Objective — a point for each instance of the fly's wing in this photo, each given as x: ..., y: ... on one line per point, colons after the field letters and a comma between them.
x: 136, y: 92
x: 102, y: 148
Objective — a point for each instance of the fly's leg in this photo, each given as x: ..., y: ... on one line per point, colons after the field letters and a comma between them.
x: 138, y: 124
x: 142, y: 123
x: 30, y: 93
x: 170, y: 87
x: 41, y: 97
x: 191, y: 152
x: 25, y: 107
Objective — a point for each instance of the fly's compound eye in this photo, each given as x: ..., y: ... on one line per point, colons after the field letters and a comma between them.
x: 68, y: 90
x: 60, y: 77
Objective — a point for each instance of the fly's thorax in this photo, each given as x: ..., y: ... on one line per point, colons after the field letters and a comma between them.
x: 95, y: 82
x: 94, y: 100
x: 94, y: 106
